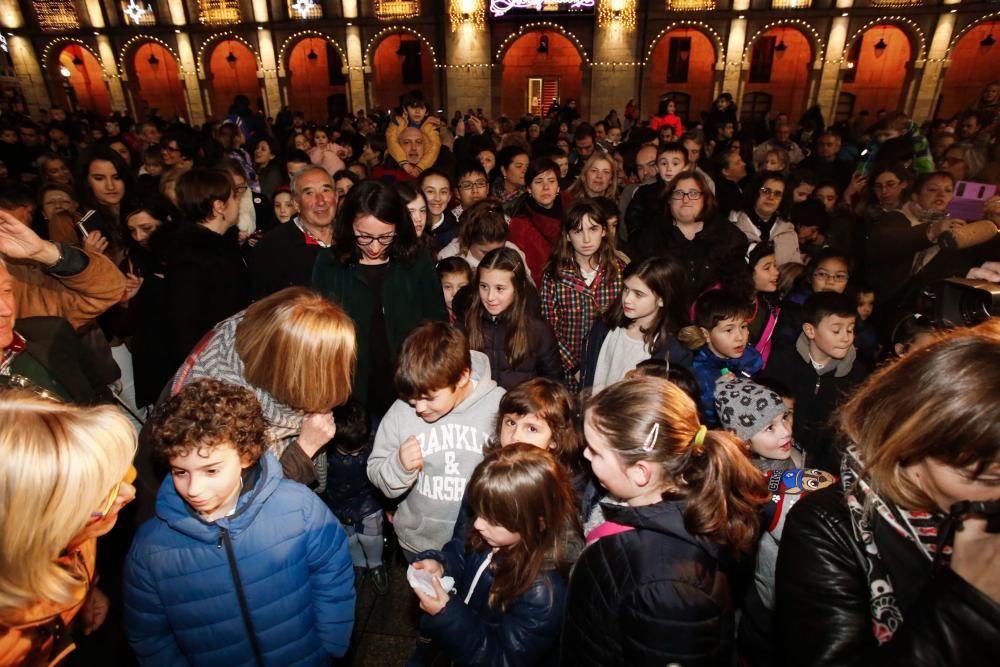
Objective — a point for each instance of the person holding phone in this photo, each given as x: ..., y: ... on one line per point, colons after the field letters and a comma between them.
x: 105, y: 184
x: 897, y: 563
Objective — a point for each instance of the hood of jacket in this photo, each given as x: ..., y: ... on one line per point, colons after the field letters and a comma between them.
x: 839, y: 368
x: 171, y: 508
x: 666, y: 517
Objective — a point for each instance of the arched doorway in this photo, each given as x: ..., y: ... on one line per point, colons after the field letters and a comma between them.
x: 317, y: 85
x: 232, y: 71
x: 538, y: 67
x: 973, y: 65
x: 879, y: 64
x: 154, y: 80
x: 683, y: 62
x: 778, y: 78
x: 401, y: 63
x: 82, y: 79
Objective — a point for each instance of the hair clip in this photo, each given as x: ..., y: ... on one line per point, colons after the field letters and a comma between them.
x: 651, y: 438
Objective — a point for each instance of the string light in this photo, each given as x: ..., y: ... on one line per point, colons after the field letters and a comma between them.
x: 215, y: 12
x: 541, y: 25
x: 471, y: 13
x: 387, y: 10
x: 690, y: 5
x: 56, y: 15
x: 616, y: 14
x: 388, y: 30
x: 138, y: 14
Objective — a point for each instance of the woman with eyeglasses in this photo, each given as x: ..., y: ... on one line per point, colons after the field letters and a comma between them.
x: 690, y: 230
x: 761, y: 221
x: 377, y: 273
x: 67, y: 473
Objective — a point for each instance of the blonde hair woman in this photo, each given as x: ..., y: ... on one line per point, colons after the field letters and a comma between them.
x: 598, y: 178
x: 65, y: 474
x: 898, y: 564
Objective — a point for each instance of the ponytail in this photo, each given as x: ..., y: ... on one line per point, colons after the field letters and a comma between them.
x: 692, y: 337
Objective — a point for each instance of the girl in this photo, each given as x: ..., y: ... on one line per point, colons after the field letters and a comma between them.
x: 511, y: 578
x: 520, y: 346
x: 325, y: 153
x: 721, y: 335
x: 642, y: 324
x: 581, y: 281
x: 508, y: 187
x: 416, y: 206
x: 757, y: 283
x: 105, y: 185
x: 690, y: 499
x: 284, y: 205
x: 483, y: 228
x: 776, y: 159
x: 666, y: 114
x: 455, y: 273
x: 268, y: 166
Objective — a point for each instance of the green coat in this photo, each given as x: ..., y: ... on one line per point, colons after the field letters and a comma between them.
x: 411, y: 294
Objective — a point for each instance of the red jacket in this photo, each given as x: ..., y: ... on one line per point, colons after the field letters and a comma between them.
x: 535, y: 231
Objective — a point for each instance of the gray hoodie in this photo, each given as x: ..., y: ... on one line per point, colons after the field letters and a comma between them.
x: 452, y: 447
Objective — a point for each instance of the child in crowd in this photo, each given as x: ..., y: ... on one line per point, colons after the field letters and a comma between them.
x: 582, y: 280
x: 482, y: 228
x: 240, y: 565
x: 414, y: 114
x: 829, y: 271
x: 690, y: 505
x: 777, y: 160
x: 643, y: 323
x: 819, y: 369
x: 511, y: 579
x: 350, y: 495
x: 416, y: 207
x: 431, y: 439
x: 519, y: 345
x: 811, y: 221
x: 442, y: 225
x: 865, y: 332
x: 759, y: 417
x: 721, y: 334
x: 284, y: 205
x: 152, y: 161
x: 326, y: 153
x: 911, y: 331
x: 756, y: 282
x: 455, y: 273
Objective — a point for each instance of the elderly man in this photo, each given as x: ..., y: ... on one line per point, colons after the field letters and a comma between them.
x: 284, y: 257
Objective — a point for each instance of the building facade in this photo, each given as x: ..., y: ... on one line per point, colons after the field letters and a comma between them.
x: 189, y: 58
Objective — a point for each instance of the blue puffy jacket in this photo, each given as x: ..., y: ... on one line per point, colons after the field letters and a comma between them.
x: 707, y: 368
x: 272, y: 584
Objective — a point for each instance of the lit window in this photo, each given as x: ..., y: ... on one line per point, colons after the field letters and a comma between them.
x: 56, y: 15
x: 214, y: 12
x: 790, y: 4
x: 396, y: 9
x: 690, y: 5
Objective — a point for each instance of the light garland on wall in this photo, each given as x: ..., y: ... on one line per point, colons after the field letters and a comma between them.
x: 470, y: 13
x: 817, y: 44
x: 791, y: 4
x: 618, y: 14
x: 297, y: 37
x: 216, y: 12
x: 899, y: 21
x: 541, y: 25
x: 897, y: 3
x: 701, y: 27
x: 388, y: 30
x: 138, y: 14
x: 56, y: 15
x: 389, y: 10
x: 220, y: 37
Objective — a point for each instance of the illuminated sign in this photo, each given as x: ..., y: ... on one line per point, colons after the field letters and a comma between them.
x: 501, y: 7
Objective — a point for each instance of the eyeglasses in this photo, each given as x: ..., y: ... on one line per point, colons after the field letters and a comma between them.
x: 833, y: 277
x: 693, y: 195
x: 472, y: 185
x: 366, y: 240
x: 768, y: 192
x: 129, y: 477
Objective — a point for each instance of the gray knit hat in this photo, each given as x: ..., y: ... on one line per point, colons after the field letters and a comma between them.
x: 744, y: 406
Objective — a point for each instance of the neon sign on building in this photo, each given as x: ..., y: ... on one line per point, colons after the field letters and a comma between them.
x: 500, y: 7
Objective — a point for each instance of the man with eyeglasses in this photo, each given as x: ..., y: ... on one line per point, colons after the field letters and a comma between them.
x: 284, y: 257
x: 180, y: 148
x: 473, y: 187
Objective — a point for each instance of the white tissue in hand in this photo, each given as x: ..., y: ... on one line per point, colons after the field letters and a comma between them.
x: 423, y: 581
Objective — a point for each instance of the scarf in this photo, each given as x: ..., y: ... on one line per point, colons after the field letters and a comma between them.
x: 920, y: 528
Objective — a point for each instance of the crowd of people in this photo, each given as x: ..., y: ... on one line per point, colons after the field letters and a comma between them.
x: 655, y: 390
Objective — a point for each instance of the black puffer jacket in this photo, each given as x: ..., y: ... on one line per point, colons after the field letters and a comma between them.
x: 542, y: 359
x: 650, y: 596
x: 822, y: 604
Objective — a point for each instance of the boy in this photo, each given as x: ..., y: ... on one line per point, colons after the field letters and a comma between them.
x: 414, y: 115
x: 473, y: 187
x: 671, y: 159
x: 819, y: 370
x: 431, y: 440
x: 239, y: 566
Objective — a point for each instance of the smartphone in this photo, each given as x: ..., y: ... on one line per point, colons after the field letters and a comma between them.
x: 82, y: 223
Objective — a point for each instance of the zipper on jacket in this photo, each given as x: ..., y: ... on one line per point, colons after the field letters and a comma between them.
x: 819, y: 379
x: 244, y: 609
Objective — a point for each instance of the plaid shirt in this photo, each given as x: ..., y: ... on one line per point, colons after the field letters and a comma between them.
x: 571, y: 307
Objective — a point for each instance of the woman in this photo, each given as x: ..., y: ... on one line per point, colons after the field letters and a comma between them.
x: 536, y: 227
x: 761, y: 221
x: 54, y: 169
x: 207, y: 279
x: 377, y: 274
x: 691, y: 232
x: 889, y: 567
x: 508, y: 186
x: 598, y: 178
x: 105, y: 183
x: 66, y: 475
x: 268, y: 167
x: 666, y: 115
x: 57, y: 208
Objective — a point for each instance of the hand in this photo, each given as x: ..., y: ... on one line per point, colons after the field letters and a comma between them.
x: 433, y: 605
x: 132, y: 285
x: 991, y: 209
x: 94, y: 611
x: 975, y: 556
x: 317, y: 430
x: 243, y: 236
x: 18, y: 241
x: 989, y: 271
x: 475, y: 124
x: 412, y: 170
x: 460, y: 128
x: 430, y: 565
x: 941, y: 226
x: 410, y: 455
x: 95, y: 243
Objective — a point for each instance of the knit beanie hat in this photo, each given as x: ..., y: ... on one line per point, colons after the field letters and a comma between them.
x: 744, y: 406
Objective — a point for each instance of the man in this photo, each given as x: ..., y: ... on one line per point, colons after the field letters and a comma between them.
x: 782, y: 139
x: 284, y: 257
x: 59, y: 142
x: 645, y: 171
x: 825, y: 163
x: 728, y: 186
x: 411, y: 140
x: 584, y: 143
x: 693, y: 142
x: 149, y: 135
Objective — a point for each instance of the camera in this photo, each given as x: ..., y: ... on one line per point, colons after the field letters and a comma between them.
x: 989, y: 509
x: 961, y: 302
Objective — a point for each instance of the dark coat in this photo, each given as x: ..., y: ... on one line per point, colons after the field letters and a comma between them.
x: 55, y: 347
x: 284, y: 257
x: 445, y: 232
x: 542, y: 359
x: 672, y: 352
x: 645, y: 207
x: 822, y: 598
x: 650, y: 596
x: 206, y: 282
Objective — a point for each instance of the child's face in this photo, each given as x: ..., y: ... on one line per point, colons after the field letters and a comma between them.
x: 775, y: 441
x: 802, y: 192
x: 495, y: 535
x: 833, y: 336
x: 530, y: 429
x: 437, y: 190
x: 321, y: 138
x: 765, y: 274
x: 606, y: 464
x: 416, y: 114
x: 284, y: 207
x: 774, y: 163
x: 438, y: 403
x: 831, y: 275
x: 586, y: 239
x: 301, y: 142
x: 639, y: 303
x: 808, y: 234
x: 153, y: 167
x: 563, y: 163
x: 418, y: 214
x: 866, y: 305
x: 669, y: 165
x: 496, y: 290
x: 210, y: 483
x: 450, y: 284
x: 826, y: 196
x: 728, y: 338
x: 615, y: 135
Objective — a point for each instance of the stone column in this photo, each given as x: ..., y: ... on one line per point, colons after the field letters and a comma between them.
x: 355, y: 65
x: 28, y: 71
x: 110, y: 67
x: 269, y: 72
x: 829, y: 78
x: 467, y: 74
x: 929, y: 82
x: 732, y: 80
x: 615, y: 70
x: 189, y: 76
